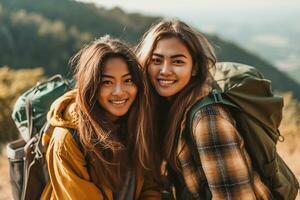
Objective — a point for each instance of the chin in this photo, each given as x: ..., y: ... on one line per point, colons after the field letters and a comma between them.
x: 120, y: 114
x: 166, y: 94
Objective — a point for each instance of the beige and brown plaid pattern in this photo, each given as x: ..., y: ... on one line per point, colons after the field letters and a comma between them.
x: 225, y: 163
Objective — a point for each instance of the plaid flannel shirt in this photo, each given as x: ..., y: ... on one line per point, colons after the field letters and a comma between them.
x: 225, y: 163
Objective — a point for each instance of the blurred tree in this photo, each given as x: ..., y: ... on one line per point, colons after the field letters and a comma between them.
x: 48, y: 32
x: 29, y: 39
x: 12, y: 84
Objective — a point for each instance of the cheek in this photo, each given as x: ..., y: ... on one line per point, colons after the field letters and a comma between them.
x: 103, y: 95
x: 152, y: 74
x: 185, y: 72
x: 133, y: 92
x: 152, y: 71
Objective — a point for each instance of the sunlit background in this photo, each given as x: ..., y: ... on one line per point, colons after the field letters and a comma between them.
x: 269, y: 28
x: 37, y: 38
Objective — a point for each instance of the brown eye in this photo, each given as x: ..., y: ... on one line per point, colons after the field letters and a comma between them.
x: 155, y: 61
x: 178, y: 62
x: 129, y: 80
x: 106, y: 83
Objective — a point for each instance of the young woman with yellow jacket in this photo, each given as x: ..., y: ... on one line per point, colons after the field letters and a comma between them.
x: 109, y: 113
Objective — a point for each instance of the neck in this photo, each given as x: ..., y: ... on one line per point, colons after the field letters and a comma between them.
x: 112, y: 118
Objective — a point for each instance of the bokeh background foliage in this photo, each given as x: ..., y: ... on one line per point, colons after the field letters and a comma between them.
x: 37, y: 38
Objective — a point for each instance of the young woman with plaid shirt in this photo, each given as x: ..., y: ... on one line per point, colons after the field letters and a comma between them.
x: 178, y: 61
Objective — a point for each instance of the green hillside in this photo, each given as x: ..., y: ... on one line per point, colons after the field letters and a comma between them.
x: 46, y: 33
x: 295, y: 74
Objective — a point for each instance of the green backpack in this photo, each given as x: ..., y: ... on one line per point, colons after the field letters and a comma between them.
x: 258, y: 112
x: 28, y: 172
x: 31, y: 108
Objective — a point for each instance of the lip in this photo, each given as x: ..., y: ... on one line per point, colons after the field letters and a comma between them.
x: 115, y: 102
x: 166, y: 82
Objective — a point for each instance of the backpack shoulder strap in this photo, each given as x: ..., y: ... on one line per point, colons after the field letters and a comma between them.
x: 214, y: 98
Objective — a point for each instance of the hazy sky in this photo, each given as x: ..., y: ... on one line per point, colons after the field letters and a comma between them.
x: 252, y: 23
x: 211, y: 11
x: 158, y: 5
x: 180, y: 7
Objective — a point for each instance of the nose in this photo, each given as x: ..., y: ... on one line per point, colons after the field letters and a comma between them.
x: 166, y: 69
x: 118, y: 90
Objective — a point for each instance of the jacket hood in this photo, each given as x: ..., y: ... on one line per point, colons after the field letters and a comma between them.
x: 63, y: 111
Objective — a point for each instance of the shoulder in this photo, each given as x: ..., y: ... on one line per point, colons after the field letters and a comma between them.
x: 214, y: 110
x: 214, y: 125
x: 213, y: 114
x: 63, y: 143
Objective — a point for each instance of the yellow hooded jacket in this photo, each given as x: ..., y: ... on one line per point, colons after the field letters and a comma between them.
x: 69, y: 177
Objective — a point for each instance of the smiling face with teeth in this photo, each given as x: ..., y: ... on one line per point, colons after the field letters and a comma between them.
x: 170, y: 67
x: 117, y: 91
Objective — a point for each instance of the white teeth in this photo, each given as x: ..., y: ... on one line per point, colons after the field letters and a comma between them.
x: 118, y: 102
x: 166, y: 82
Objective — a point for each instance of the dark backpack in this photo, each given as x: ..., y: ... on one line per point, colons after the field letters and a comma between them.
x: 258, y: 112
x: 28, y: 171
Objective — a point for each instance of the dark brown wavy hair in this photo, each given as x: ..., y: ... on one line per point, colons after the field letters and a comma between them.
x: 203, y: 58
x: 101, y: 142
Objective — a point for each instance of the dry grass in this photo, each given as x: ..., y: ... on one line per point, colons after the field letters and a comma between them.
x: 289, y: 128
x: 5, y: 192
x: 290, y: 151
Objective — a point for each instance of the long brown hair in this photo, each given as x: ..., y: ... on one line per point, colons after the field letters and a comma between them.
x: 204, y: 59
x: 96, y: 132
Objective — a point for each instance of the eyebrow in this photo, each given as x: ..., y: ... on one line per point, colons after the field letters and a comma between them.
x: 109, y: 76
x: 173, y: 56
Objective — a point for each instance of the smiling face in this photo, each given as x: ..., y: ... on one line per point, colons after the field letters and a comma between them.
x: 170, y: 67
x: 117, y: 90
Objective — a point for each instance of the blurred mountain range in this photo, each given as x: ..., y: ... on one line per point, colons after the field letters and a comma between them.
x: 46, y: 33
x: 268, y: 28
x: 275, y: 39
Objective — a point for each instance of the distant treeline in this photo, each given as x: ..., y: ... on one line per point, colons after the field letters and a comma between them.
x: 46, y: 33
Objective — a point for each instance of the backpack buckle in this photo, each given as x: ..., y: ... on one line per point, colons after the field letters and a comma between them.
x: 217, y: 96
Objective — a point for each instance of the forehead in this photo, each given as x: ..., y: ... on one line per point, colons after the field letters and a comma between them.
x: 170, y: 46
x: 115, y: 67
